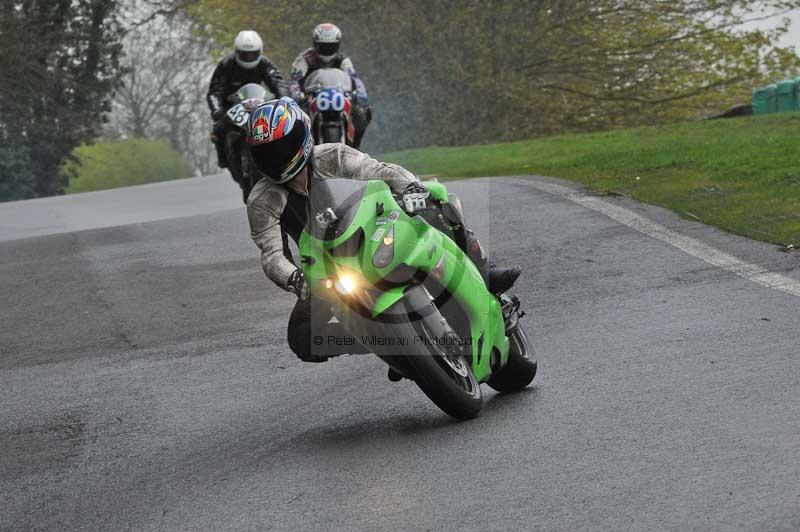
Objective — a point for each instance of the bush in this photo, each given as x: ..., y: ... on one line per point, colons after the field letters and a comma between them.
x: 120, y: 164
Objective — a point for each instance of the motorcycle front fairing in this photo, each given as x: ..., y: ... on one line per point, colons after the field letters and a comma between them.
x: 361, y: 252
x: 330, y: 90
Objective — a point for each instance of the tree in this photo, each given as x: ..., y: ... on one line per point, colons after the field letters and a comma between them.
x: 162, y: 92
x: 15, y: 182
x: 443, y: 72
x: 54, y: 89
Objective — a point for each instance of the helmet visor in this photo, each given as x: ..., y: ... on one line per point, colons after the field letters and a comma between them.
x: 273, y: 158
x: 248, y: 57
x: 327, y: 48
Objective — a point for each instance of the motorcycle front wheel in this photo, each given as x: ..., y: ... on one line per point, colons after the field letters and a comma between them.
x: 445, y: 376
x: 418, y: 349
x: 438, y: 364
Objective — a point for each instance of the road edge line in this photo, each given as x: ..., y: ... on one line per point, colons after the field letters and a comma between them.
x: 687, y: 244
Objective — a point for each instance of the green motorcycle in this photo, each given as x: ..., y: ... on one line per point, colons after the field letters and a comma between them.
x: 401, y: 287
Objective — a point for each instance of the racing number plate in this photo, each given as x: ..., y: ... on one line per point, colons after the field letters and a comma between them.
x: 238, y: 115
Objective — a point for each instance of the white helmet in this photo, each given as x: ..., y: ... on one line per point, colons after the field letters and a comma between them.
x: 327, y: 37
x: 248, y: 48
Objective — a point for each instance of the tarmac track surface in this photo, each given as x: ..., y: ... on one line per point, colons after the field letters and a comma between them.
x: 145, y: 382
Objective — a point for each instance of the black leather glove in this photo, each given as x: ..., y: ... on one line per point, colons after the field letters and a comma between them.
x: 217, y: 115
x: 297, y: 284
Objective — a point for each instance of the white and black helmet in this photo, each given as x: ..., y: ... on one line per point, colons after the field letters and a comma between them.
x: 327, y: 37
x: 248, y: 46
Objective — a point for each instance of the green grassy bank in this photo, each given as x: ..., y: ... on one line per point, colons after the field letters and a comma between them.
x: 742, y: 175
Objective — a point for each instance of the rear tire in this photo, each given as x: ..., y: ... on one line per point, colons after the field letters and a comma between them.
x: 331, y: 133
x: 247, y: 177
x: 520, y: 369
x: 233, y: 153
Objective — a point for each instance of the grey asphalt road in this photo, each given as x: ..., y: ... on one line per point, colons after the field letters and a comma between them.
x: 145, y: 383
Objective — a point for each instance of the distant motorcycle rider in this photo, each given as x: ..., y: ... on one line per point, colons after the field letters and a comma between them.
x: 245, y: 65
x: 325, y: 54
x: 281, y: 147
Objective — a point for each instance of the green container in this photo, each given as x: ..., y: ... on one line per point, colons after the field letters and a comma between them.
x: 772, y: 100
x: 786, y: 96
x: 760, y: 104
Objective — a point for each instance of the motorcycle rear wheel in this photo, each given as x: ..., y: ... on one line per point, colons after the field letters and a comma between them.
x: 248, y: 177
x: 331, y: 133
x: 233, y: 153
x: 520, y: 369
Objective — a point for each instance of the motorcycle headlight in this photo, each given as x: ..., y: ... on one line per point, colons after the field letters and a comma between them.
x: 346, y: 284
x: 384, y: 256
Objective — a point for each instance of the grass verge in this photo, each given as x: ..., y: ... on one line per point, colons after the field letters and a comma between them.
x: 741, y: 175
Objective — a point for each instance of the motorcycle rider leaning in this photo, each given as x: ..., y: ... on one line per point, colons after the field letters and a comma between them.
x: 325, y: 54
x: 245, y: 65
x: 282, y: 150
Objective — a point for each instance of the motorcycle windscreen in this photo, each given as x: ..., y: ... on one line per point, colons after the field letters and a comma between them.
x: 251, y: 91
x: 328, y: 78
x: 332, y: 206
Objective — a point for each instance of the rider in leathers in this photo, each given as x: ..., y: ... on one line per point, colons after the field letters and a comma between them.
x: 325, y: 54
x: 282, y: 149
x: 245, y: 65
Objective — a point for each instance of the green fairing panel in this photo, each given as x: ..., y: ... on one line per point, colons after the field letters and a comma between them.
x: 387, y: 299
x: 438, y: 191
x: 461, y: 277
x: 322, y: 266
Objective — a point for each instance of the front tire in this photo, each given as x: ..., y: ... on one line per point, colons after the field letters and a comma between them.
x: 443, y: 372
x: 520, y: 369
x: 447, y: 379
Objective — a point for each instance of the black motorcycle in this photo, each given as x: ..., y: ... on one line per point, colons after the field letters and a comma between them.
x: 244, y: 101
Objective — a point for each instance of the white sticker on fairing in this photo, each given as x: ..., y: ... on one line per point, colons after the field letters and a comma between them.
x: 378, y: 234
